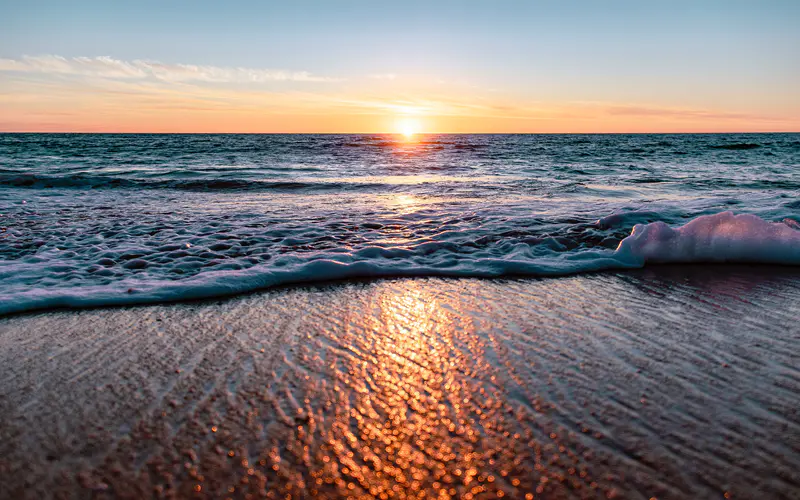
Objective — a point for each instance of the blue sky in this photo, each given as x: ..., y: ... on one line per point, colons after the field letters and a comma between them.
x: 732, y: 58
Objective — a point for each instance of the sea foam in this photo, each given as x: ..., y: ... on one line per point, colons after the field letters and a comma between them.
x: 722, y: 237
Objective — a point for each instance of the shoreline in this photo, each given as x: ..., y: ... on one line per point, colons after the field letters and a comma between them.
x: 667, y: 381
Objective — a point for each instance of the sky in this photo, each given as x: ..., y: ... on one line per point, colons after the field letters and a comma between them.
x: 409, y: 66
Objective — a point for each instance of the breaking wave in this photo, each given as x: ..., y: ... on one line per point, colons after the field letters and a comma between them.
x: 157, y: 275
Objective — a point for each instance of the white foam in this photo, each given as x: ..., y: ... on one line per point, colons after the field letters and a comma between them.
x: 724, y: 237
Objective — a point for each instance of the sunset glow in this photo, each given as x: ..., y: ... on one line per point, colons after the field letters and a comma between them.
x: 408, y: 127
x: 482, y: 70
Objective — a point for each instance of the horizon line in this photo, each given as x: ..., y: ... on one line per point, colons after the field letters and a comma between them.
x: 421, y: 134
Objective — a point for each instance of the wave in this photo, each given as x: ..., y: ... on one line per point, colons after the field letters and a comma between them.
x: 204, y: 184
x: 370, y: 144
x: 737, y: 147
x: 723, y: 237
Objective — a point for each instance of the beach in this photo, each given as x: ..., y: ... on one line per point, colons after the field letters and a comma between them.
x: 667, y: 382
x: 387, y: 250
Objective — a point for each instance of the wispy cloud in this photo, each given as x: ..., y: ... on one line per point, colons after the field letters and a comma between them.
x: 103, y: 93
x: 681, y: 113
x: 107, y: 67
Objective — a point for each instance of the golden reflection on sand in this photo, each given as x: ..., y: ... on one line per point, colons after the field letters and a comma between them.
x: 401, y: 427
x: 426, y: 388
x: 421, y: 411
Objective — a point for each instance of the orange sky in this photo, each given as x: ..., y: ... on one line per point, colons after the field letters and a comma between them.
x: 78, y: 99
x: 369, y: 66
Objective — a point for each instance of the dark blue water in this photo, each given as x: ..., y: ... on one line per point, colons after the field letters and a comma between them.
x: 109, y: 219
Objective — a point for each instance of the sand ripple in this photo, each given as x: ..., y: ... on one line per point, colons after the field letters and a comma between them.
x: 432, y: 387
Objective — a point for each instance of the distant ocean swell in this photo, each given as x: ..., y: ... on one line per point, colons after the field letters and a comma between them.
x: 231, y: 183
x: 722, y: 237
x: 213, y: 184
x: 105, y: 219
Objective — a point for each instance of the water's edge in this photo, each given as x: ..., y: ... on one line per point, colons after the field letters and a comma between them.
x: 719, y: 238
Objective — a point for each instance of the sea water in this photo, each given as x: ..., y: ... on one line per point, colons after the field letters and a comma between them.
x: 104, y: 219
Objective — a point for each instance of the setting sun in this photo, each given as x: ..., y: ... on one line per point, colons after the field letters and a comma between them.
x: 408, y: 127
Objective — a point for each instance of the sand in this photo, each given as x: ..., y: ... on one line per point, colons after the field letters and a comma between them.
x: 668, y: 382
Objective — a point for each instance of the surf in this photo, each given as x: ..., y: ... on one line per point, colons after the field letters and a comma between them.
x: 717, y: 238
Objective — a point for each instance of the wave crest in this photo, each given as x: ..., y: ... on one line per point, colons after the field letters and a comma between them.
x: 723, y: 237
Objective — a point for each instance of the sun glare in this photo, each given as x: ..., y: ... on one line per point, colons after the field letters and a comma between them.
x: 408, y: 127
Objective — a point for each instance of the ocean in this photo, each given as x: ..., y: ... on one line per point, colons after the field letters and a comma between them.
x: 109, y: 219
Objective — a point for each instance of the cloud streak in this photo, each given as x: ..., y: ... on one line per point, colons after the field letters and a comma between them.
x: 107, y: 67
x: 681, y: 113
x: 102, y: 93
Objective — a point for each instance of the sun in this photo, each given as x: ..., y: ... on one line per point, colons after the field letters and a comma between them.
x: 408, y: 127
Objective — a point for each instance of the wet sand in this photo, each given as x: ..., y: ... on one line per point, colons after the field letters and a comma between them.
x: 668, y: 382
